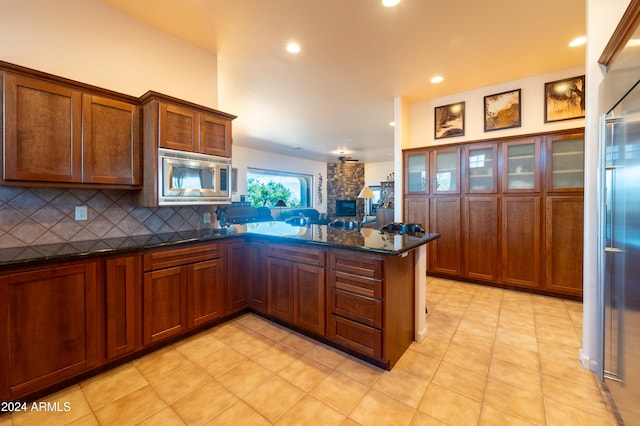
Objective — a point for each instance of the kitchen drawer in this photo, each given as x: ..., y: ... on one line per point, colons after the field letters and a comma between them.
x: 297, y: 254
x: 342, y: 260
x: 365, y: 310
x: 168, y: 258
x: 361, y: 338
x: 370, y: 287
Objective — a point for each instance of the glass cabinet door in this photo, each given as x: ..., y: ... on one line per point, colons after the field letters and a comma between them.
x: 481, y: 168
x: 416, y: 178
x: 565, y: 163
x: 521, y: 166
x: 446, y: 171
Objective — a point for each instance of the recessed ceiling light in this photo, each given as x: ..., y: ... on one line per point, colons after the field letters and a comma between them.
x: 578, y: 41
x: 392, y: 124
x: 293, y: 47
x: 390, y: 3
x: 437, y: 79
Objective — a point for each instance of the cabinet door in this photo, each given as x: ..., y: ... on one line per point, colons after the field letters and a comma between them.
x: 111, y: 141
x: 416, y: 175
x: 445, y: 168
x: 165, y: 305
x: 444, y: 253
x: 564, y: 217
x: 215, y: 135
x: 521, y: 241
x: 309, y: 306
x: 416, y: 210
x: 43, y: 131
x: 480, y: 237
x: 521, y: 166
x: 281, y: 296
x: 257, y: 253
x: 178, y: 128
x: 481, y: 168
x: 49, y: 326
x: 123, y: 304
x: 239, y: 274
x: 565, y: 163
x: 205, y: 287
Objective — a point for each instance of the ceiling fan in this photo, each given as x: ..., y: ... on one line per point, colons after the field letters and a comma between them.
x: 347, y: 160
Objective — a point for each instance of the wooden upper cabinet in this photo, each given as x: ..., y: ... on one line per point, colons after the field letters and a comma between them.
x: 178, y: 128
x: 565, y: 163
x: 43, y: 131
x: 445, y: 171
x: 215, y: 135
x: 521, y: 166
x: 111, y: 141
x: 481, y: 168
x: 60, y: 133
x: 416, y: 172
x: 189, y: 129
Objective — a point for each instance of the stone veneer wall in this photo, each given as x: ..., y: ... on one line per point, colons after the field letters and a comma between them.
x: 35, y: 216
x: 344, y: 182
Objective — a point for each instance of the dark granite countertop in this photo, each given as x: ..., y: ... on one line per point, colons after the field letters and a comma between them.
x: 366, y: 239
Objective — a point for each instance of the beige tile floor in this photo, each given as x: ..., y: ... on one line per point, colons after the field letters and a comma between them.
x: 492, y: 357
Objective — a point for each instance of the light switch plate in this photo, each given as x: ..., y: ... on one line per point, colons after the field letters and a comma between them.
x: 81, y: 212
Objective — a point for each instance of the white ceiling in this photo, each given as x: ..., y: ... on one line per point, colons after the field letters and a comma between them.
x: 337, y: 93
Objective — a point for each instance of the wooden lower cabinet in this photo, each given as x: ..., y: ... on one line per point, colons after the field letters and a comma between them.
x: 238, y: 293
x: 480, y: 237
x: 521, y: 241
x: 122, y: 301
x: 444, y: 253
x: 564, y: 227
x: 182, y: 288
x: 50, y: 326
x: 296, y: 286
x: 370, y: 307
x: 257, y: 254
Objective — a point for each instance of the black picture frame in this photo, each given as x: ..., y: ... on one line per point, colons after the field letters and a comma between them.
x: 449, y: 120
x: 564, y: 99
x: 503, y: 110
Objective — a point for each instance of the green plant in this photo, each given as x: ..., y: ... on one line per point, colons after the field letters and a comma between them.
x: 267, y: 194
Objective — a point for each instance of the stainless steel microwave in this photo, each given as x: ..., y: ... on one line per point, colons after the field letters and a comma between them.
x: 190, y: 178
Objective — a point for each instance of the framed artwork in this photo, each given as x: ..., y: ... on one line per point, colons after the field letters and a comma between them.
x: 502, y: 111
x: 449, y: 120
x: 564, y: 99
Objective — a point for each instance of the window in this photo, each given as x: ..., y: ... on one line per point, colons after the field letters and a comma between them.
x: 266, y: 187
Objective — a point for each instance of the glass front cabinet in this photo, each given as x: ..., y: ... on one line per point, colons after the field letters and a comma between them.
x: 446, y: 171
x: 416, y: 172
x: 565, y: 163
x: 521, y: 165
x: 481, y: 168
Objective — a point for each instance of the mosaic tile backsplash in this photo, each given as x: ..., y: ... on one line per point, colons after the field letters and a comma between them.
x: 35, y: 216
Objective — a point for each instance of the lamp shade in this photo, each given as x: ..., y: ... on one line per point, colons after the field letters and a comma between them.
x: 281, y: 203
x: 366, y: 193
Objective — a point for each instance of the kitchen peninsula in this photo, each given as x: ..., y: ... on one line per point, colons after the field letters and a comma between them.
x: 74, y: 309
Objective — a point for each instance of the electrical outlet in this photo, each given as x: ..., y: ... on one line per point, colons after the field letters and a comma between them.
x: 206, y: 218
x: 81, y: 212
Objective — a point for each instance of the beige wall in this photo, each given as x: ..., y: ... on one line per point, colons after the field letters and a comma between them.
x: 91, y: 42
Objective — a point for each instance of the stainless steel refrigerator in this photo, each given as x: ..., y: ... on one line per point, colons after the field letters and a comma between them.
x: 619, y: 260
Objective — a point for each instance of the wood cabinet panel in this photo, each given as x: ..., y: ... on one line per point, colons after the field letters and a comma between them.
x: 122, y: 305
x: 257, y: 253
x: 178, y: 128
x: 50, y: 326
x: 480, y: 237
x: 361, y: 338
x: 205, y: 292
x: 111, y: 141
x: 521, y: 241
x: 165, y: 304
x: 309, y: 306
x: 43, y: 131
x: 215, y: 135
x: 239, y: 275
x: 416, y: 210
x: 564, y: 230
x: 281, y: 279
x: 444, y: 253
